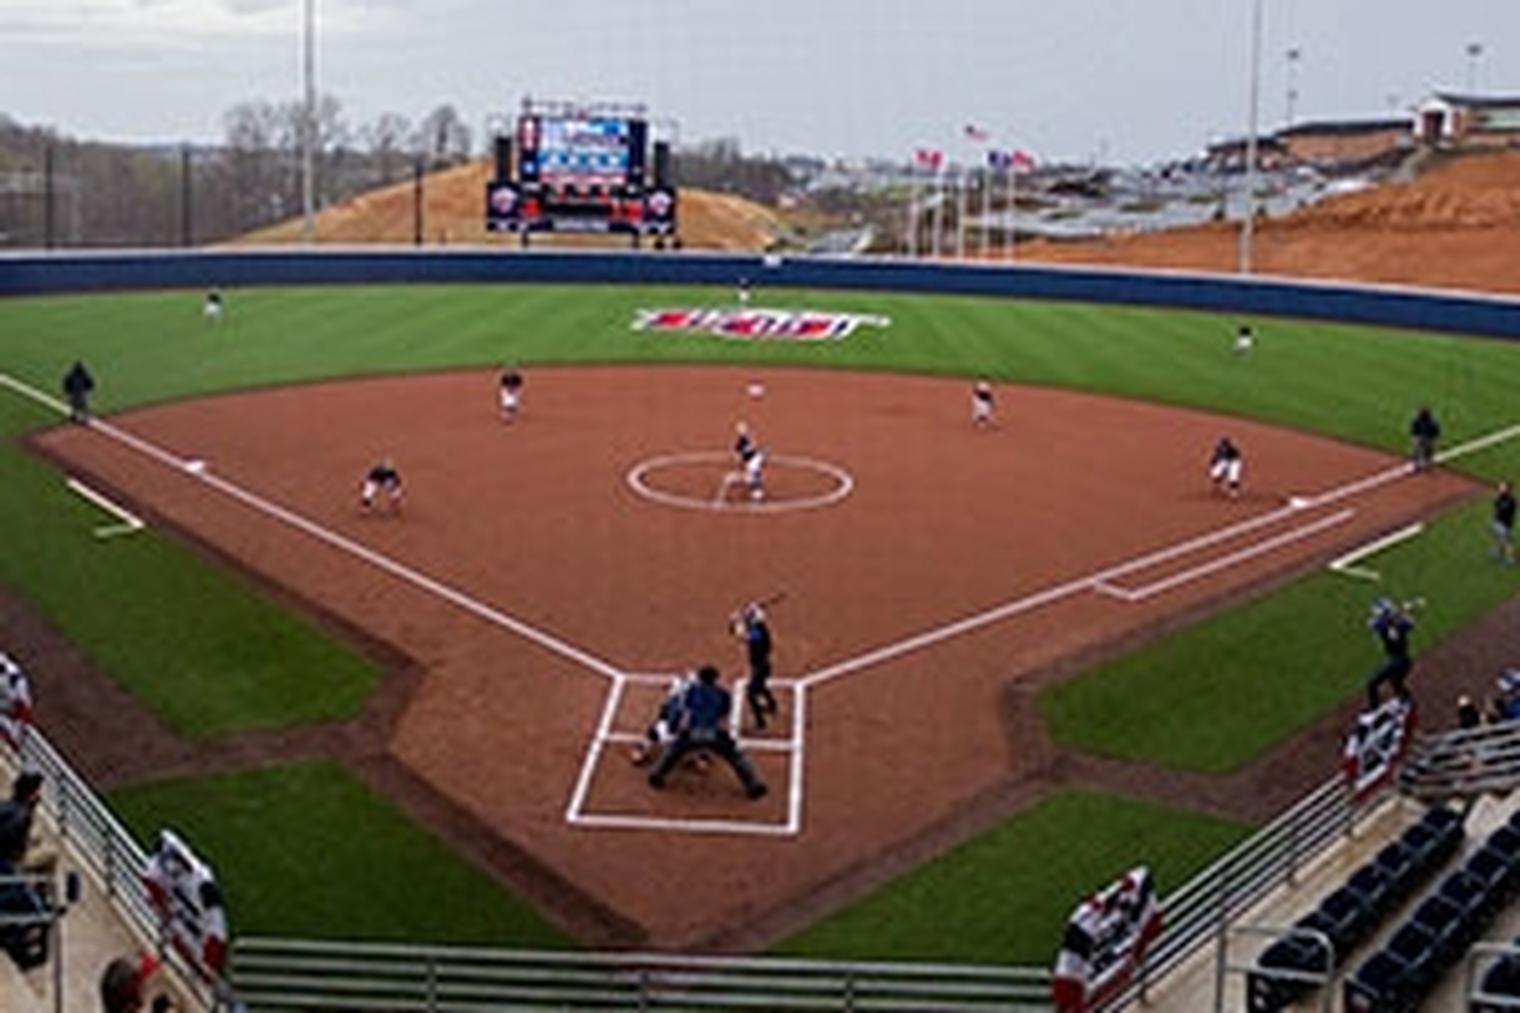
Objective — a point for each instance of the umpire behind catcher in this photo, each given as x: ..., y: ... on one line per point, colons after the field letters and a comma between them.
x: 704, y: 714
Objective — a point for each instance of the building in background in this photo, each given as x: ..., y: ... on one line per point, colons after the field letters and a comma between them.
x: 1447, y: 119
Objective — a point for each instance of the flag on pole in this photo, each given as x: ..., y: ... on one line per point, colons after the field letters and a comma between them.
x: 976, y: 133
x: 999, y: 159
x: 928, y: 158
x: 1021, y: 160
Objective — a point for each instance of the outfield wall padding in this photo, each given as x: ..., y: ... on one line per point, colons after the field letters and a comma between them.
x: 31, y: 274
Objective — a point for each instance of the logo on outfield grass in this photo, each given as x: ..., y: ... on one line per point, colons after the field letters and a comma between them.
x: 758, y: 324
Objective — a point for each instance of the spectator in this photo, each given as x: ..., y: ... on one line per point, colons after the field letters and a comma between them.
x: 1424, y: 430
x: 1468, y: 714
x: 123, y: 986
x: 1507, y: 702
x: 1504, y: 525
x: 18, y: 846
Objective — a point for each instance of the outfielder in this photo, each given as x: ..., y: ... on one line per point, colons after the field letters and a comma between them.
x: 1245, y: 339
x: 511, y: 393
x: 382, y: 478
x: 1424, y: 430
x: 212, y: 308
x: 1227, y: 467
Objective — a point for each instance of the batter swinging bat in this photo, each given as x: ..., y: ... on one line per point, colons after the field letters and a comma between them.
x: 736, y: 620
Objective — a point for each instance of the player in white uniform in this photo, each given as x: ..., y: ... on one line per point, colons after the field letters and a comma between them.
x: 981, y: 404
x: 744, y: 292
x: 1227, y: 467
x: 383, y: 477
x: 511, y: 393
x: 212, y: 309
x: 1245, y: 339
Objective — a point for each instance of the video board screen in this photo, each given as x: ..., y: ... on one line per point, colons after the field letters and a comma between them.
x: 591, y: 151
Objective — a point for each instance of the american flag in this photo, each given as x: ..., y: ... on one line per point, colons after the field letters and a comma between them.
x: 976, y: 133
x: 928, y: 158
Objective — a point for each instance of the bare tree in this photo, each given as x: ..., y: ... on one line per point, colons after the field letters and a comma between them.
x: 385, y: 140
x: 442, y: 138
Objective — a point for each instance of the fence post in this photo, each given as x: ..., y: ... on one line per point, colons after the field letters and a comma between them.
x: 849, y: 991
x: 110, y: 865
x: 63, y: 810
x: 1223, y: 938
x: 432, y: 983
x: 643, y: 989
x: 1293, y: 849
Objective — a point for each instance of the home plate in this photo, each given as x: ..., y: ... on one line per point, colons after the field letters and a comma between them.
x: 1300, y: 502
x: 195, y: 466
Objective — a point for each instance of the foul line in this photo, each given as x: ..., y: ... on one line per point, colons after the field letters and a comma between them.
x: 130, y: 522
x: 1344, y: 564
x: 197, y: 471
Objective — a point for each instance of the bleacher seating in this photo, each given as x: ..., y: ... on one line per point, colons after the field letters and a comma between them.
x: 1434, y: 936
x: 1350, y: 913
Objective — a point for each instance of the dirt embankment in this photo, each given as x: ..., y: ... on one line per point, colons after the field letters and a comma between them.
x: 453, y: 211
x: 1456, y: 226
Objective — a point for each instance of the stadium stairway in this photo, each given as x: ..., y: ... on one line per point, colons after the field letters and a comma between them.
x: 92, y: 934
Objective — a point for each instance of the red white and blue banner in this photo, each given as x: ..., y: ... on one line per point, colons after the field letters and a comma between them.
x: 1106, y: 939
x: 1376, y: 745
x: 15, y: 702
x: 744, y: 324
x: 185, y: 894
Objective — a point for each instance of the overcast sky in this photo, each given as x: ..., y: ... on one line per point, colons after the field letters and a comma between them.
x: 1132, y: 80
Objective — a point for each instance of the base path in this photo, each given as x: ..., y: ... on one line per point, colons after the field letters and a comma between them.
x: 545, y: 599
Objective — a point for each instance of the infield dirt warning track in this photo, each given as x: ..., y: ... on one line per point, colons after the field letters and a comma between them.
x: 547, y: 599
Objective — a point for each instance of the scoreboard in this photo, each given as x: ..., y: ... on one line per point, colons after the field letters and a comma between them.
x: 581, y: 172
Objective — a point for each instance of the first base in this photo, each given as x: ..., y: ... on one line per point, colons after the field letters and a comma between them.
x: 756, y: 390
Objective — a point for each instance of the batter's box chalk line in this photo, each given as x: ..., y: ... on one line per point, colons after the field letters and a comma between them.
x: 578, y: 814
x: 638, y: 478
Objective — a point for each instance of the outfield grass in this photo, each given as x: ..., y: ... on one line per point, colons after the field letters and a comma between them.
x: 1004, y: 896
x: 307, y: 851
x: 1219, y: 694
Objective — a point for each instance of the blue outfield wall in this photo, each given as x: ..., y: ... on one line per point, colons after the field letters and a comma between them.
x: 29, y: 274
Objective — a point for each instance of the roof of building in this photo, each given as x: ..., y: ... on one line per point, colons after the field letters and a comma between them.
x: 1316, y: 128
x: 1479, y: 101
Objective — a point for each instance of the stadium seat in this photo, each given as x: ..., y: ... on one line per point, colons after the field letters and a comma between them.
x: 1495, y: 872
x: 1502, y: 979
x: 1397, y: 864
x: 1443, y: 921
x: 1343, y: 916
x: 1466, y: 892
x: 1441, y: 818
x: 1380, y: 985
x: 27, y: 945
x: 1266, y: 993
x: 1376, y: 891
x: 1505, y: 842
x: 1416, y: 949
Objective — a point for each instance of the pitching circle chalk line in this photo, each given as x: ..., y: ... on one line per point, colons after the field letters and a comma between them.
x: 844, y: 484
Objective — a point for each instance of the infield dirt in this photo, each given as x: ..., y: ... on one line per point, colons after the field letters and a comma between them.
x: 536, y: 520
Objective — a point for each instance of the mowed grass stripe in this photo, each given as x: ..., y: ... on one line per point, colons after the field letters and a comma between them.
x: 307, y: 851
x: 1004, y: 897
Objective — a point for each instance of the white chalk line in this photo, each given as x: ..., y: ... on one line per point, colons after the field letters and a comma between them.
x: 1101, y: 581
x: 1239, y: 556
x: 749, y: 745
x: 844, y: 484
x: 1344, y: 564
x: 130, y: 522
x: 610, y: 706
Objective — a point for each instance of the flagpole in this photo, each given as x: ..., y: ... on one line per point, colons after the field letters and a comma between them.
x: 937, y: 212
x: 986, y: 207
x: 961, y: 196
x: 1010, y: 234
x: 913, y: 208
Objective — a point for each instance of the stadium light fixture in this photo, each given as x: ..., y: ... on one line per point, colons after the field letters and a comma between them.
x: 308, y: 120
x: 1248, y: 225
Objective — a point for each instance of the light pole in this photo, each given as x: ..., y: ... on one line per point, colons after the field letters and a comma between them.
x: 309, y: 121
x: 1474, y: 54
x: 1292, y: 55
x: 1248, y: 225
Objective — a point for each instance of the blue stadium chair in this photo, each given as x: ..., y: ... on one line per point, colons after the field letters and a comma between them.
x: 1383, y: 984
x: 1397, y: 863
x: 1502, y: 979
x: 1441, y: 818
x: 1423, y: 845
x: 1443, y: 921
x: 1505, y: 841
x: 1375, y: 889
x: 1496, y: 872
x: 1268, y: 994
x: 1466, y: 892
x: 1343, y: 916
x: 1416, y: 948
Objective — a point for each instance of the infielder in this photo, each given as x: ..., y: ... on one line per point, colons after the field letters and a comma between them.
x: 981, y: 404
x: 511, y: 393
x: 749, y: 626
x: 751, y: 462
x: 382, y: 478
x: 1227, y: 467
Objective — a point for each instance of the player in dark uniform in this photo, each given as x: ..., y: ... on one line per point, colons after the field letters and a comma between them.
x: 511, y: 393
x: 382, y: 478
x: 1391, y: 623
x: 77, y: 384
x: 1504, y: 525
x: 1227, y: 466
x: 1424, y: 430
x: 703, y: 718
x: 751, y: 462
x: 751, y: 627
